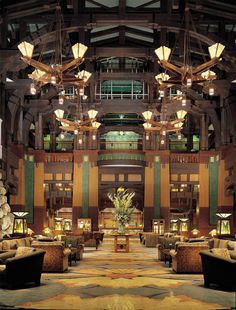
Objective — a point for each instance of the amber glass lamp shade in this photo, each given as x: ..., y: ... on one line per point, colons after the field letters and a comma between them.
x: 20, y: 223
x: 174, y: 225
x: 67, y: 225
x: 223, y: 224
x: 183, y: 227
x: 58, y: 223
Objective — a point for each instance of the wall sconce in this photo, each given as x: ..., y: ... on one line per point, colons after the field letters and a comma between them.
x: 58, y: 223
x: 174, y: 225
x: 20, y: 223
x: 183, y: 227
x: 67, y: 225
x: 223, y: 224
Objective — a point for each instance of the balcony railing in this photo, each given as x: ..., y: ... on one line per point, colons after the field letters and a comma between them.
x: 58, y: 157
x: 121, y: 156
x: 124, y: 145
x: 184, y: 158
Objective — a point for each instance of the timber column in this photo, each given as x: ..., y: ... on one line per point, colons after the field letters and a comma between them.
x: 225, y: 203
x: 85, y: 187
x: 30, y: 193
x: 148, y: 192
x: 156, y: 188
x: 165, y: 187
x: 39, y: 216
x: 17, y: 202
x: 202, y: 211
x: 209, y: 191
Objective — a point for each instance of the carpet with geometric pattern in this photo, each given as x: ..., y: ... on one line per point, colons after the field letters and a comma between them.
x: 105, y: 280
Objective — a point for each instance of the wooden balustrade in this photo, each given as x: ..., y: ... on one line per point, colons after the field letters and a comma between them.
x: 184, y: 158
x: 58, y: 157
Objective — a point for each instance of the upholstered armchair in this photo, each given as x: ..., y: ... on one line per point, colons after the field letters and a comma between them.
x: 17, y: 270
x: 56, y: 257
x: 90, y: 239
x: 166, y: 243
x: 219, y: 270
x: 151, y: 240
x: 186, y: 258
x: 76, y: 243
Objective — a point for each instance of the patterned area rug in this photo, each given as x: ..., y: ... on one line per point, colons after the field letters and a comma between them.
x: 105, y: 280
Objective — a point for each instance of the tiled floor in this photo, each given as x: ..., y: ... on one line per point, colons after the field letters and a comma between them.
x: 119, y: 281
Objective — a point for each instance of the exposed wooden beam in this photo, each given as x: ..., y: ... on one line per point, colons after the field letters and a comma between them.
x: 33, y: 11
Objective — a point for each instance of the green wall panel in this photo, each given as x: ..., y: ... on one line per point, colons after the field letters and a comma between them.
x: 157, y: 188
x: 213, y: 189
x: 29, y: 189
x: 85, y: 187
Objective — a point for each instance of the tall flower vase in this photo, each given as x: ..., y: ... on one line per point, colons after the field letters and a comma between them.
x: 121, y: 228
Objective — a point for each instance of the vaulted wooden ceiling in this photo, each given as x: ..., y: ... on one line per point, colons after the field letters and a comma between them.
x: 118, y: 28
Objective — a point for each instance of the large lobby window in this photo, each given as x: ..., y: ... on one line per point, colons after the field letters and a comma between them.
x: 121, y: 140
x: 122, y: 89
x: 124, y: 64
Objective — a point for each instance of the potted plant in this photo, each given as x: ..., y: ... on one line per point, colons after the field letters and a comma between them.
x: 122, y: 201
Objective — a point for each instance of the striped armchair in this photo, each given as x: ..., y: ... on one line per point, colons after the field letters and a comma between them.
x: 186, y: 257
x: 56, y: 257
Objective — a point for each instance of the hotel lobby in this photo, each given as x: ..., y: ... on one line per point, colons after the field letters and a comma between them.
x: 117, y: 154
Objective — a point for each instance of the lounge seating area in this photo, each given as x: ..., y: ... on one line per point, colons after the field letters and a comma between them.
x: 117, y: 117
x: 102, y: 264
x: 58, y: 255
x: 185, y: 255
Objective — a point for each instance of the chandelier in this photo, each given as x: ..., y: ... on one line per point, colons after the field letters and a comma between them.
x: 164, y: 126
x: 78, y: 125
x: 56, y: 73
x: 186, y: 74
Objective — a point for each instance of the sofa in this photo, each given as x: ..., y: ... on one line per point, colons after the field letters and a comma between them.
x: 13, y: 244
x: 218, y: 269
x: 56, y: 256
x: 185, y: 257
x: 16, y: 270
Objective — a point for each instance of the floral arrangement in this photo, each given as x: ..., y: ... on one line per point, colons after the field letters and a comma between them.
x: 122, y: 202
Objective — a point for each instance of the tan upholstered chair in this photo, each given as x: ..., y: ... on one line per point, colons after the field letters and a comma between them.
x: 76, y: 244
x: 151, y: 240
x: 186, y: 257
x: 56, y: 257
x: 166, y: 243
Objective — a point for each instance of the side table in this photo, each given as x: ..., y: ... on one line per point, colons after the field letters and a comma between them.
x: 121, y: 243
